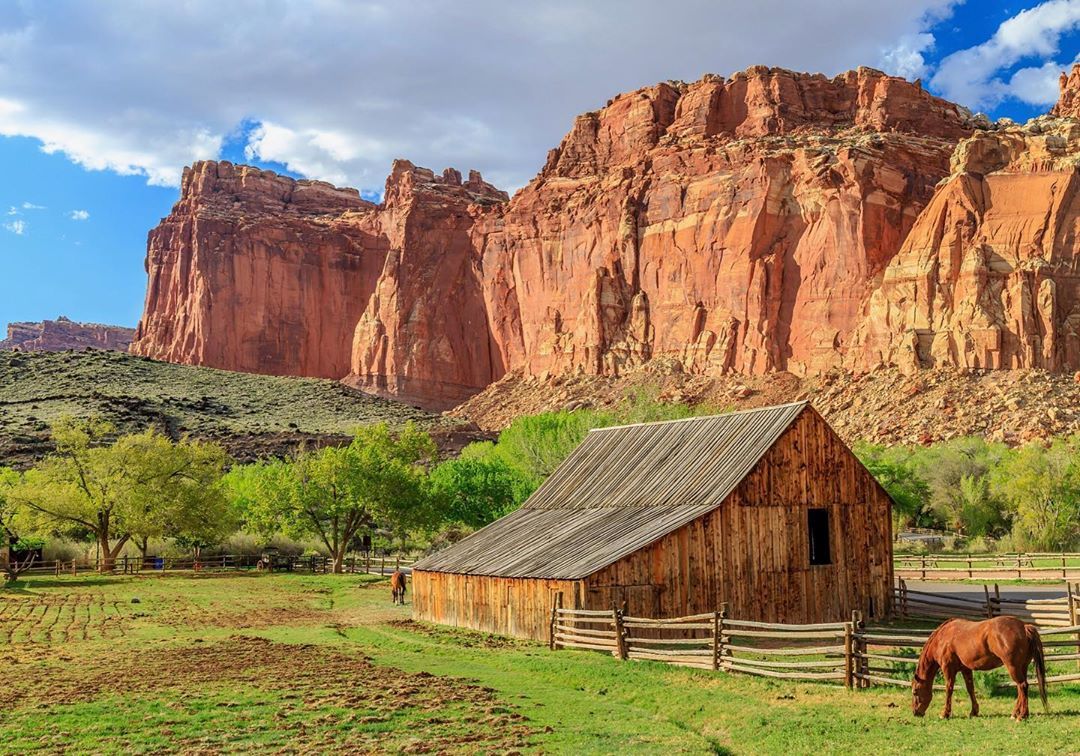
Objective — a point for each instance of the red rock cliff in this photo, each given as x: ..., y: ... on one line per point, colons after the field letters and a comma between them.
x: 424, y: 336
x: 771, y: 221
x: 737, y: 225
x: 62, y: 334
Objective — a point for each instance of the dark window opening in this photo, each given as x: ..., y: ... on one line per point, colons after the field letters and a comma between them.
x: 817, y: 528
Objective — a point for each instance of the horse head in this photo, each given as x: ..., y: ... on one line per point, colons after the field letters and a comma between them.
x: 922, y: 691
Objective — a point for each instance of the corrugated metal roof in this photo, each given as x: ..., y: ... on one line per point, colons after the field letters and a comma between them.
x: 620, y: 490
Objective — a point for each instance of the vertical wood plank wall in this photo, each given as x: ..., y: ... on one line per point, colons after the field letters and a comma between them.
x: 754, y: 552
x: 507, y: 606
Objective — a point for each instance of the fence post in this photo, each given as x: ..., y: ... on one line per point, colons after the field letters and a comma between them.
x: 903, y: 598
x: 58, y: 568
x: 556, y: 604
x: 997, y: 600
x: 1019, y: 568
x: 1064, y: 572
x: 922, y: 560
x: 860, y: 651
x: 1074, y: 613
x: 989, y: 606
x: 620, y: 633
x: 849, y: 661
x: 718, y: 636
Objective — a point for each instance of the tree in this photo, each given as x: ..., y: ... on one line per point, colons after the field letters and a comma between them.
x: 333, y: 493
x: 1042, y: 487
x: 945, y: 466
x: 893, y: 470
x: 12, y: 523
x: 478, y: 487
x: 179, y: 493
x: 138, y: 485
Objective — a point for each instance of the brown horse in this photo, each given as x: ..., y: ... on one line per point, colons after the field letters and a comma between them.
x: 397, y: 587
x: 962, y: 646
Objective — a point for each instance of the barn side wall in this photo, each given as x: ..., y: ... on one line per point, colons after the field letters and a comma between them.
x: 508, y: 606
x: 753, y: 552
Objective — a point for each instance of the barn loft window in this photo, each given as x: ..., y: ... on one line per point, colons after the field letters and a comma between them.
x: 817, y: 528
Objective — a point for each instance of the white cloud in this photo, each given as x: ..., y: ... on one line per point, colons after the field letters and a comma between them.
x: 341, y: 88
x: 972, y: 76
x: 906, y: 58
x: 32, y: 206
x: 79, y: 215
x: 17, y: 227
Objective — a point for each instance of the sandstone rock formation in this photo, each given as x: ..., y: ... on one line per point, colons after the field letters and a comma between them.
x: 773, y: 221
x: 989, y: 276
x: 257, y: 272
x: 63, y: 334
x: 424, y: 335
x: 735, y: 225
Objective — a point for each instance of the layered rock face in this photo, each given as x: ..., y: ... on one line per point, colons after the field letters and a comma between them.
x: 773, y: 221
x: 736, y: 225
x: 63, y: 334
x: 988, y: 277
x: 424, y: 335
x: 257, y: 272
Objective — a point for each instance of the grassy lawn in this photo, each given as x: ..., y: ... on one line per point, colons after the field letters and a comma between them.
x: 322, y: 663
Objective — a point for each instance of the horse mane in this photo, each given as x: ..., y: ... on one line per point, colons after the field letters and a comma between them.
x: 927, y: 658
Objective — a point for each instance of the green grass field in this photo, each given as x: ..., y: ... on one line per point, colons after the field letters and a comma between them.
x: 318, y: 663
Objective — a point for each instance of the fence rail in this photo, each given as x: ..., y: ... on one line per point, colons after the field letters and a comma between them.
x: 1058, y: 611
x: 840, y: 651
x: 1016, y: 566
x: 367, y: 563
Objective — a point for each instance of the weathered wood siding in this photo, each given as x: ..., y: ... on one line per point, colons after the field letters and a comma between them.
x: 753, y: 552
x: 508, y: 606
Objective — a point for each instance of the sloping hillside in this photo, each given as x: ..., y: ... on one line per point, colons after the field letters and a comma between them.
x: 250, y: 414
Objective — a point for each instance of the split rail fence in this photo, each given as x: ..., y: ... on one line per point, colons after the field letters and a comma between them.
x: 366, y: 563
x: 1020, y: 566
x: 1060, y: 611
x: 840, y: 651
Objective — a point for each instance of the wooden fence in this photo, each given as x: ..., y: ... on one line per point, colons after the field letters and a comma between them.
x: 713, y: 641
x: 367, y: 563
x: 838, y: 651
x: 1060, y: 611
x: 1021, y: 566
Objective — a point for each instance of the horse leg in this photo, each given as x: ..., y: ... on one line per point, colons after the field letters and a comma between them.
x: 1019, y: 676
x: 950, y: 681
x: 969, y: 683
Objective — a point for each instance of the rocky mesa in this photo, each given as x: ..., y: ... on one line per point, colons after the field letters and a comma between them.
x: 63, y: 334
x: 768, y: 222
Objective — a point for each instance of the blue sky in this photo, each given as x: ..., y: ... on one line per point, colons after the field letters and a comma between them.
x: 102, y: 104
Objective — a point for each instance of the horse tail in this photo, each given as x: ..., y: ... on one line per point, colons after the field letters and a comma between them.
x: 1035, y: 640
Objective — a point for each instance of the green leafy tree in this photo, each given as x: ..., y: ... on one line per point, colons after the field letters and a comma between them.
x: 333, y: 493
x: 893, y: 469
x: 117, y: 488
x: 478, y: 487
x: 13, y: 523
x: 944, y: 468
x: 1042, y: 487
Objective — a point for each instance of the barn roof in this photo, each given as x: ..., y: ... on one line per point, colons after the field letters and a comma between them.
x: 620, y: 490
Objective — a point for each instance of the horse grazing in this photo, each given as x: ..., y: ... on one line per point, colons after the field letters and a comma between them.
x: 962, y: 646
x: 397, y: 587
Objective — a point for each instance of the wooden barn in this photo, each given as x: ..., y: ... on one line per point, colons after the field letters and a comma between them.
x: 767, y: 510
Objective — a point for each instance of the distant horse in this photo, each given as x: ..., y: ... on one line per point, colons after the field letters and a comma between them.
x: 397, y: 587
x: 962, y: 646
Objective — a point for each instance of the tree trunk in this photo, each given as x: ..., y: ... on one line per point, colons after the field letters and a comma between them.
x: 339, y: 560
x: 108, y: 561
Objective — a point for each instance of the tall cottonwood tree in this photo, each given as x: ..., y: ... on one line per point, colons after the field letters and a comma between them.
x: 334, y: 493
x: 138, y: 485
